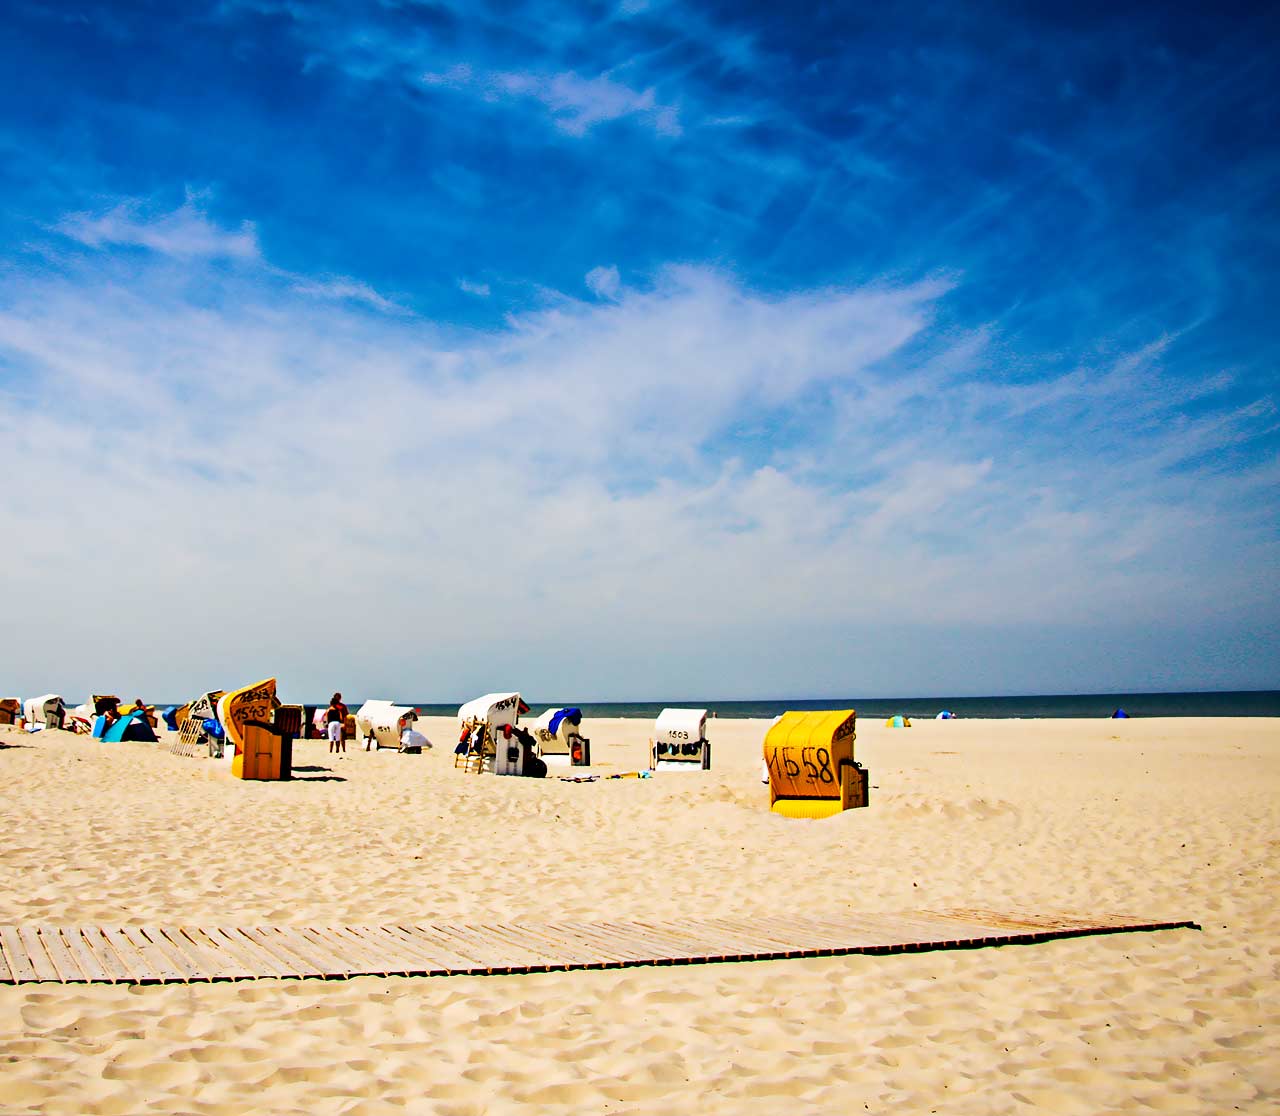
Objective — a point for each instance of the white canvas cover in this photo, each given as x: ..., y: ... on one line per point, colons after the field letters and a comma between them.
x: 33, y: 709
x: 493, y: 709
x: 383, y: 721
x: 680, y: 726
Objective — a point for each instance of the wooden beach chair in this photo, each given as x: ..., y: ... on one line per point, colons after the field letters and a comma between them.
x: 809, y: 758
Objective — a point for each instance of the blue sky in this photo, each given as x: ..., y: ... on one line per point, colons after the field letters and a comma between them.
x: 640, y: 349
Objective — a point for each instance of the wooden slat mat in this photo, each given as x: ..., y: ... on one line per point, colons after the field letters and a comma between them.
x: 173, y: 954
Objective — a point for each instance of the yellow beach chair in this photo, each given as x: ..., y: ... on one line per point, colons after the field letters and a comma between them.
x: 809, y: 758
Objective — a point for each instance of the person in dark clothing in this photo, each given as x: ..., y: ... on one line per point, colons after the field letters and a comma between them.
x: 335, y: 719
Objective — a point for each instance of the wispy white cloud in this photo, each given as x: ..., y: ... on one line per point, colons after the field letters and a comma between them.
x: 480, y: 290
x: 343, y: 288
x: 185, y: 233
x: 604, y: 281
x: 576, y: 104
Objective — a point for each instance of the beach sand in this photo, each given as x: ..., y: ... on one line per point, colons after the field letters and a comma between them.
x: 1163, y: 819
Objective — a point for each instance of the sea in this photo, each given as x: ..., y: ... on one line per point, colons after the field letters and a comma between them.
x: 1243, y: 703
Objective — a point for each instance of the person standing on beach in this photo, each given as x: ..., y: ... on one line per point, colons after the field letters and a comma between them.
x: 335, y: 722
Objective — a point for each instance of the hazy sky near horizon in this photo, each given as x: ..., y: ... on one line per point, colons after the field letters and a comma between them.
x: 640, y: 349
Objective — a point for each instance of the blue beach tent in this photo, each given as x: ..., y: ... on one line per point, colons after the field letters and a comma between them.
x: 132, y: 726
x: 170, y: 716
x: 1119, y: 715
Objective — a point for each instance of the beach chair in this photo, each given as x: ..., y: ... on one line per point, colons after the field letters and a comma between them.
x: 247, y: 716
x: 492, y: 711
x: 381, y: 724
x: 48, y: 710
x: 809, y: 760
x: 10, y: 711
x: 560, y: 741
x: 680, y: 741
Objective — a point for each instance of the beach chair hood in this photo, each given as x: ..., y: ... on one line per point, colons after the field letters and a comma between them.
x: 679, y: 726
x: 493, y: 709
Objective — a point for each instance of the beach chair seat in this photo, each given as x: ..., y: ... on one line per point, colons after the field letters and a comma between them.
x: 263, y: 751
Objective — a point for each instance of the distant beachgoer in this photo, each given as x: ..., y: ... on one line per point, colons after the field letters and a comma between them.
x: 335, y: 718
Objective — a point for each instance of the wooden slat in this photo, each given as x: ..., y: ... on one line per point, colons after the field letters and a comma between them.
x: 181, y: 964
x: 295, y: 965
x: 675, y: 946
x: 537, y: 957
x: 421, y: 957
x: 436, y: 948
x: 627, y: 938
x: 68, y: 971
x: 15, y: 954
x: 470, y: 959
x: 547, y: 941
x: 105, y: 955
x: 138, y: 969
x: 155, y: 958
x: 878, y: 932
x: 661, y: 947
x: 217, y: 951
x: 244, y: 951
x: 85, y: 957
x: 807, y: 932
x: 362, y: 953
x: 696, y: 943
x: 596, y: 939
x: 769, y: 939
x: 36, y: 954
x: 438, y: 945
x: 495, y: 956
x: 366, y: 954
x: 304, y: 949
x: 734, y: 942
x: 501, y: 954
x: 7, y: 974
x: 642, y: 949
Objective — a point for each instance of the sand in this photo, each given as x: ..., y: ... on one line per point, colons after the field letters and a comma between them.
x: 1164, y: 819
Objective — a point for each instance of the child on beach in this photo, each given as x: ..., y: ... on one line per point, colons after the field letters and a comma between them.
x: 335, y: 721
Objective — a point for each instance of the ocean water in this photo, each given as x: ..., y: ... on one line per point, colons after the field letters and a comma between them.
x: 1246, y: 703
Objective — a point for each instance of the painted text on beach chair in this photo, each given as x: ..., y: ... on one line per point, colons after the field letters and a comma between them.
x: 680, y: 741
x: 812, y: 772
x: 247, y: 716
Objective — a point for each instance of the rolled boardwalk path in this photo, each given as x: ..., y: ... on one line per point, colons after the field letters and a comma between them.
x: 170, y: 954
